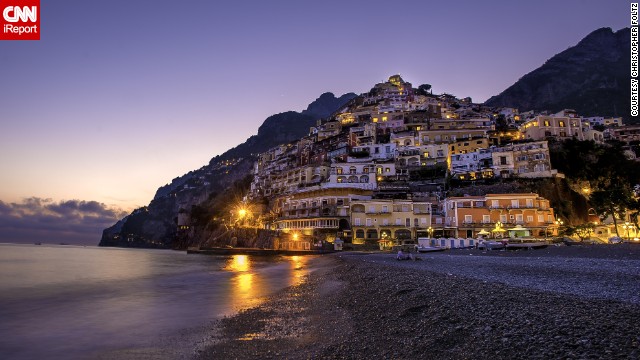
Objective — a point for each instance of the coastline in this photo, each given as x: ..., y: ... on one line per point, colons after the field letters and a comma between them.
x: 371, y: 306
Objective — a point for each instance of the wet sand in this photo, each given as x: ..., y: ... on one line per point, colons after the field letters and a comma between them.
x: 560, y: 302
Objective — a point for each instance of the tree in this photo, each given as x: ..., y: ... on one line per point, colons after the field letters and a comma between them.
x: 582, y: 231
x: 424, y: 89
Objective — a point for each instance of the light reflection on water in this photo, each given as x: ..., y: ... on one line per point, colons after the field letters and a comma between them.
x: 250, y: 282
x: 68, y: 302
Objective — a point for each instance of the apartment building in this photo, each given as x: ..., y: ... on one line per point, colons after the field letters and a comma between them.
x: 389, y: 222
x: 501, y: 215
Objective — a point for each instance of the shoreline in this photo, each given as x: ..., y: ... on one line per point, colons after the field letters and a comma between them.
x: 360, y: 306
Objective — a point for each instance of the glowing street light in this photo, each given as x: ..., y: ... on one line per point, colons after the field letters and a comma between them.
x: 430, y: 231
x: 242, y: 212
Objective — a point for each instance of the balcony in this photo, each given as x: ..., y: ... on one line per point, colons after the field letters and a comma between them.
x: 368, y: 212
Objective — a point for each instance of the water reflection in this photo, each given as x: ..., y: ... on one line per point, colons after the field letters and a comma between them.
x: 253, y: 276
x: 238, y: 263
x: 300, y: 269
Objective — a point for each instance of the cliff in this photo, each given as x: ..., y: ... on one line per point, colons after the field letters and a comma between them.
x: 206, y: 191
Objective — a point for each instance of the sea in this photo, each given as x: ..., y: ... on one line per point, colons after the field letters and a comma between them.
x: 74, y: 302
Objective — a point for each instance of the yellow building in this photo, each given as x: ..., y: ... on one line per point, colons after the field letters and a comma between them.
x: 317, y: 214
x: 389, y: 221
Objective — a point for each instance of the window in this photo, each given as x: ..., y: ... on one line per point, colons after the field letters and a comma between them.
x: 360, y: 234
x: 529, y: 219
x: 503, y: 160
x: 486, y: 219
x: 387, y: 170
x: 368, y: 222
x: 385, y: 222
x: 546, y: 123
x: 494, y: 203
x: 468, y: 219
x: 387, y: 149
x: 415, y: 222
x: 515, y: 204
x: 372, y: 209
x: 407, y: 222
x: 529, y: 203
x: 376, y: 150
x: 519, y: 218
x: 503, y: 218
x: 338, y: 170
x: 352, y: 170
x: 540, y: 218
x: 356, y: 222
x: 385, y: 208
x: 561, y: 123
x: 423, y: 221
x: 398, y: 221
x: 438, y: 220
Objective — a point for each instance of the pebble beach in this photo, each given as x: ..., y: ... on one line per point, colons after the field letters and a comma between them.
x: 578, y: 302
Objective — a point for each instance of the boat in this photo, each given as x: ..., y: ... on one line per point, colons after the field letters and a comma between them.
x: 491, y: 245
x: 527, y: 246
x: 426, y: 249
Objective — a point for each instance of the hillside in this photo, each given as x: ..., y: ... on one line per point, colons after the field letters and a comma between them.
x: 591, y: 77
x: 156, y: 225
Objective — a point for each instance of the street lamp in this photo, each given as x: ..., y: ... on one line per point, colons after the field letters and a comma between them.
x: 430, y: 231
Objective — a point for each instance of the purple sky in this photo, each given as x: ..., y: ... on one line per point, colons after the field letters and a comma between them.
x: 119, y: 97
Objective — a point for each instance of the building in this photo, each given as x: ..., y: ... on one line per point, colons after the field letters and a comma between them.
x: 501, y: 215
x: 389, y: 221
x: 527, y: 160
x: 626, y: 133
x: 561, y: 127
x: 316, y: 215
x: 473, y: 165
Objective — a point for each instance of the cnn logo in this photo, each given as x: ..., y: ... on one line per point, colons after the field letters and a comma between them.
x: 15, y: 13
x: 20, y: 20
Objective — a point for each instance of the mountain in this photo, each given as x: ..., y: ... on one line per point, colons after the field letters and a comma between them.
x: 591, y: 77
x: 156, y: 225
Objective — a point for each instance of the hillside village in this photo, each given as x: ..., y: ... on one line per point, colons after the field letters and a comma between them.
x: 379, y: 170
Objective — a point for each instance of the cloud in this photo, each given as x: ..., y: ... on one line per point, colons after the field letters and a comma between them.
x: 47, y: 221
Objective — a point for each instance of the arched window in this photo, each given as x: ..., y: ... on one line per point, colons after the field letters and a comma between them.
x: 352, y: 170
x: 360, y: 234
x: 372, y: 234
x: 353, y: 179
x: 364, y: 179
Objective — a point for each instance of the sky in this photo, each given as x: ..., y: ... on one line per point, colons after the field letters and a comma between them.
x: 120, y: 97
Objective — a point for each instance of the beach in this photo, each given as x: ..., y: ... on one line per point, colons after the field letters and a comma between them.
x: 578, y: 302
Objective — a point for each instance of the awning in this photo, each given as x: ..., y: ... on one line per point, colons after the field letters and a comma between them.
x: 518, y: 228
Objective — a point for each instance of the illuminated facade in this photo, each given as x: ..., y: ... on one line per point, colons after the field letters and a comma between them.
x: 521, y: 215
x: 389, y: 222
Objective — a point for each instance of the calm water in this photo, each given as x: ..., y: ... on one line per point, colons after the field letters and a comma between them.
x: 67, y: 302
